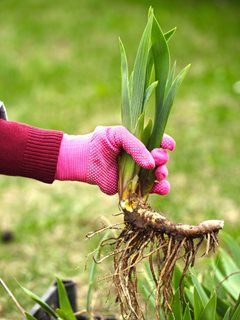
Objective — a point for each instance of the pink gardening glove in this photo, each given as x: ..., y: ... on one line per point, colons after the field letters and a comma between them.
x: 92, y: 158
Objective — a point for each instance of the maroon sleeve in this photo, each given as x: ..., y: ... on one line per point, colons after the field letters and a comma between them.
x: 28, y: 151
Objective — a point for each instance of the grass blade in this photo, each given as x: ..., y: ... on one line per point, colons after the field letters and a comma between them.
x: 233, y: 247
x: 147, y: 282
x: 230, y: 277
x: 29, y: 316
x: 147, y: 132
x: 64, y: 303
x: 209, y: 312
x: 149, y: 91
x: 161, y: 66
x: 236, y: 312
x: 227, y: 314
x: 187, y: 313
x: 198, y: 306
x: 140, y: 71
x: 148, y: 289
x: 149, y: 70
x: 168, y: 35
x: 163, y: 114
x: 177, y: 306
x: 125, y: 112
x: 171, y: 76
x: 5, y: 287
x: 202, y: 294
x: 222, y: 306
x: 62, y: 315
x: 92, y: 274
x: 39, y: 301
x: 189, y: 295
x: 148, y: 295
x: 139, y: 127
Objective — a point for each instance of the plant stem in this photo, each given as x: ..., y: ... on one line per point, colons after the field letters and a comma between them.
x: 127, y: 170
x: 5, y: 287
x: 92, y: 276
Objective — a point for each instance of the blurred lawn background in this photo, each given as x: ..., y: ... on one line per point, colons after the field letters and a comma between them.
x: 60, y: 69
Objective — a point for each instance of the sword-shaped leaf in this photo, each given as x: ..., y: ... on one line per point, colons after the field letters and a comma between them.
x: 126, y: 114
x: 161, y: 66
x: 147, y: 132
x: 236, y: 311
x: 209, y: 312
x: 171, y: 76
x: 64, y: 302
x: 168, y: 35
x: 148, y: 92
x: 39, y: 301
x: 164, y: 111
x: 139, y: 72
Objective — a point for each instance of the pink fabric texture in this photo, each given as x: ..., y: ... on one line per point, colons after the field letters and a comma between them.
x: 161, y: 187
x: 161, y: 172
x: 92, y: 158
x: 168, y: 142
x: 160, y: 156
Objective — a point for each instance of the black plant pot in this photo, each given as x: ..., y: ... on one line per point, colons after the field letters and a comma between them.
x: 96, y: 317
x: 51, y: 298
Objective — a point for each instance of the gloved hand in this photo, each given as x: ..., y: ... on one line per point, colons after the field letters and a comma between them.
x: 92, y: 158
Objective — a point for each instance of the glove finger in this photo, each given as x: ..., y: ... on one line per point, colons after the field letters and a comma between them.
x: 168, y: 142
x: 160, y: 156
x: 161, y: 173
x: 162, y: 187
x: 124, y: 139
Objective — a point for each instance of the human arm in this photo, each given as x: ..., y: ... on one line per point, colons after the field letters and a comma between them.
x: 28, y: 151
x: 47, y: 155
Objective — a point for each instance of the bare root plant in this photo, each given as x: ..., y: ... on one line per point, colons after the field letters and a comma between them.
x: 147, y: 235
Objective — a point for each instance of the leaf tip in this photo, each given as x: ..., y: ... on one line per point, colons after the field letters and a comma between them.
x: 150, y: 11
x: 120, y: 42
x: 187, y: 67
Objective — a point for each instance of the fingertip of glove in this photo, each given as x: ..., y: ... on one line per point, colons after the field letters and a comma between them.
x: 161, y: 173
x: 168, y: 142
x: 162, y: 187
x: 160, y: 156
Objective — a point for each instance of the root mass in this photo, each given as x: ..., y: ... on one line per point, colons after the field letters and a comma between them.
x: 149, y: 236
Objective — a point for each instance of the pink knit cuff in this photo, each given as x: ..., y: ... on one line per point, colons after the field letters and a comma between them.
x: 73, y: 158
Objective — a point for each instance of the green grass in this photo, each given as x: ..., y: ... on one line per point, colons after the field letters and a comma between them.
x: 60, y: 69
